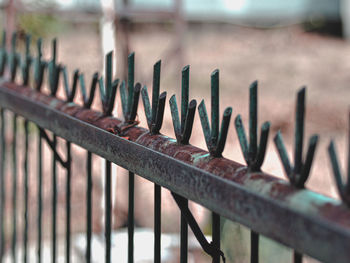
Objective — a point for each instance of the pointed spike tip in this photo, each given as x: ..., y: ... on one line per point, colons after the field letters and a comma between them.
x: 238, y: 120
x: 186, y: 68
x: 302, y: 91
x: 266, y: 125
x: 254, y: 85
x: 228, y: 111
x: 137, y: 87
x: 193, y: 104
x: 202, y: 104
x: 163, y: 95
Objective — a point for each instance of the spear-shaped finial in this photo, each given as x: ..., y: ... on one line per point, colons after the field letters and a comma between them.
x: 343, y: 188
x: 54, y: 69
x: 130, y: 97
x: 155, y: 114
x: 298, y: 174
x: 253, y: 155
x: 88, y: 100
x: 108, y: 90
x: 39, y: 67
x: 27, y: 62
x: 183, y: 127
x: 14, y: 57
x: 3, y: 54
x: 70, y: 92
x: 215, y: 141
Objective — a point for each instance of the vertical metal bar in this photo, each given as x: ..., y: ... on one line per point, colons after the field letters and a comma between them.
x: 299, y: 131
x: 26, y: 144
x: 254, y: 247
x: 184, y: 95
x: 253, y: 120
x: 54, y: 199
x: 14, y: 188
x: 216, y: 235
x: 157, y: 223
x: 108, y: 207
x: 155, y: 90
x: 215, y: 106
x: 2, y: 182
x: 298, y: 258
x: 131, y: 218
x: 40, y: 200
x: 68, y: 195
x: 184, y: 238
x: 88, y: 208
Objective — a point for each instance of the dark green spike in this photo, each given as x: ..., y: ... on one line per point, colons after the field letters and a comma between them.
x: 242, y: 138
x: 264, y: 134
x: 54, y: 50
x: 223, y: 132
x: 131, y: 79
x: 14, y: 42
x: 147, y: 106
x: 202, y: 110
x: 343, y: 188
x: 3, y: 39
x: 108, y: 107
x: 109, y: 72
x: 299, y: 131
x: 88, y: 100
x: 160, y: 113
x: 300, y: 172
x: 187, y: 131
x: 28, y: 42
x: 183, y: 127
x: 155, y: 89
x: 308, y: 161
x: 336, y: 169
x: 135, y: 102
x: 3, y: 54
x: 283, y: 155
x: 215, y: 106
x: 253, y: 119
x: 184, y: 94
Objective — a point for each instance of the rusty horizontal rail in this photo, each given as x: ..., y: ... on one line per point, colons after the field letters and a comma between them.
x: 304, y: 220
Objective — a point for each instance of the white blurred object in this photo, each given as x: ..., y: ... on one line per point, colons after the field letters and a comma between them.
x: 143, y: 246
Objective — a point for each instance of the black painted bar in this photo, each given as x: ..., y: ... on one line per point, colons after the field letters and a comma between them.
x: 157, y: 223
x: 131, y: 217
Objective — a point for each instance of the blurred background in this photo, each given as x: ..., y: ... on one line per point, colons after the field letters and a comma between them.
x: 282, y: 44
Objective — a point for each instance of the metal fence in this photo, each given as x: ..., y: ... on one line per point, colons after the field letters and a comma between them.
x: 305, y: 221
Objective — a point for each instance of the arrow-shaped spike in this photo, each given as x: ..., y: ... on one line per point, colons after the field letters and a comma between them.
x: 54, y: 69
x: 108, y: 90
x: 154, y: 114
x: 39, y: 67
x: 183, y: 129
x: 131, y: 77
x: 70, y: 93
x: 14, y: 59
x: 336, y: 169
x: 88, y: 100
x: 253, y: 155
x: 300, y: 172
x: 343, y: 189
x: 130, y: 97
x: 283, y: 154
x: 215, y: 141
x: 27, y: 61
x: 3, y: 54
